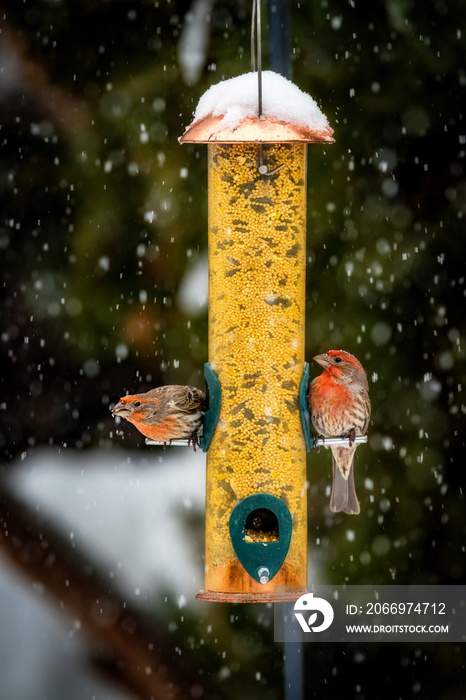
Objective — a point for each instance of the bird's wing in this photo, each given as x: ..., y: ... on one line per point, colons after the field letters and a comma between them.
x: 190, y: 399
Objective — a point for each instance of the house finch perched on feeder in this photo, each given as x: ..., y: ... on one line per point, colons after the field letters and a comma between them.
x: 339, y: 407
x: 167, y: 413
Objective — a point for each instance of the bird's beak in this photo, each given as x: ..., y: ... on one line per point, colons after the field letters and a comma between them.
x: 121, y: 409
x: 322, y: 360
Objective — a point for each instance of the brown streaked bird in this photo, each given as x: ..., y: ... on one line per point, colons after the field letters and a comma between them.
x: 339, y: 406
x: 167, y: 413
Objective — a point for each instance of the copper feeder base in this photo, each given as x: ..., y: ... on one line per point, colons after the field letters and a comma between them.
x: 248, y: 597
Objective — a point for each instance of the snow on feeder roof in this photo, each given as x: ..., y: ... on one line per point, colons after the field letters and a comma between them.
x: 228, y: 112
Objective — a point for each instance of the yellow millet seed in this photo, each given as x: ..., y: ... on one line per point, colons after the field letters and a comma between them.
x: 257, y: 253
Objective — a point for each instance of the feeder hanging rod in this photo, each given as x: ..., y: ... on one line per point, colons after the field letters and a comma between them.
x: 256, y: 64
x: 256, y: 50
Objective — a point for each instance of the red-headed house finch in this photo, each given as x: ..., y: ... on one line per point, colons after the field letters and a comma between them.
x: 339, y: 406
x: 166, y: 413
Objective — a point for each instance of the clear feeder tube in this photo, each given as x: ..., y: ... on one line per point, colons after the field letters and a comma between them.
x: 257, y: 256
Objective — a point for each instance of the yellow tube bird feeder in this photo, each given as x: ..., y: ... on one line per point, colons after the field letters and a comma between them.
x: 256, y: 505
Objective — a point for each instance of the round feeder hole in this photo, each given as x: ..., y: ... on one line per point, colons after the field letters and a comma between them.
x: 261, y: 525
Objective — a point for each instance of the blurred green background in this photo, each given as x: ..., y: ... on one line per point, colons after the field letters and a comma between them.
x: 103, y: 217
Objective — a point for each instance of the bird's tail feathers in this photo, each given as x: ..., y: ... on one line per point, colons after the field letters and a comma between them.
x: 343, y: 497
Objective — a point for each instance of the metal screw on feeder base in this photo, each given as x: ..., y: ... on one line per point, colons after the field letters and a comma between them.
x: 263, y: 574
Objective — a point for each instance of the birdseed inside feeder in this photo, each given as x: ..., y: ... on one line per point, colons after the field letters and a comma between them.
x: 256, y: 512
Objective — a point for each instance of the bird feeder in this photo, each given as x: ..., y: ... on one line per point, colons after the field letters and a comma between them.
x: 256, y: 505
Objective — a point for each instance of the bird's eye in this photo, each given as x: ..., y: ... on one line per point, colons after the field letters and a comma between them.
x: 338, y: 359
x: 137, y: 404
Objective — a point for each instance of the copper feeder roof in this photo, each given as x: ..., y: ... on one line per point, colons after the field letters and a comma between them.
x: 253, y: 129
